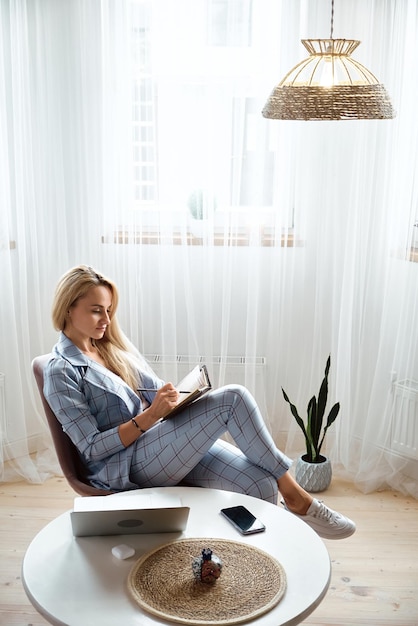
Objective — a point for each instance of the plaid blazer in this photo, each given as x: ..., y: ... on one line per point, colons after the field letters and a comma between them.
x: 91, y: 402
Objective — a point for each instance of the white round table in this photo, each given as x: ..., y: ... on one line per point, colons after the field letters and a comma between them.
x: 78, y: 581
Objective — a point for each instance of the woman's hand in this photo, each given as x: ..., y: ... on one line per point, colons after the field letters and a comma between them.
x: 165, y: 399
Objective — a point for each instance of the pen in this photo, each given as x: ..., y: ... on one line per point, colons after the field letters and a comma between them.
x: 157, y: 390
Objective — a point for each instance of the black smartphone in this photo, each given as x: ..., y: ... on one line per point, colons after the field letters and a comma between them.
x: 243, y: 520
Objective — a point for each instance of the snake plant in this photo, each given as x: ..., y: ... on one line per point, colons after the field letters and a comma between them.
x: 315, y: 419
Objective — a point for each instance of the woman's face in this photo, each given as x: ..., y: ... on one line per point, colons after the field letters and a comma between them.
x: 89, y: 317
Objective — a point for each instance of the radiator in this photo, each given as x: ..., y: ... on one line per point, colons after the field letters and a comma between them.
x: 258, y: 361
x: 404, y: 432
x: 183, y: 363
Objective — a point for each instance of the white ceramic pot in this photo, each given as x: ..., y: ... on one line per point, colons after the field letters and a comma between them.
x: 313, y: 476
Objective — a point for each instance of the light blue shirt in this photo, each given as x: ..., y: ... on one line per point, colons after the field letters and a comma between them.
x: 91, y: 402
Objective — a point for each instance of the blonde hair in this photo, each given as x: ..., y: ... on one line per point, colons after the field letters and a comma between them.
x: 114, y: 347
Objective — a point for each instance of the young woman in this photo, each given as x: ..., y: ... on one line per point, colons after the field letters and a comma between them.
x: 92, y: 384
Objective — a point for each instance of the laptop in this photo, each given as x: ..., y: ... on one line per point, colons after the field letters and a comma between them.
x: 127, y: 515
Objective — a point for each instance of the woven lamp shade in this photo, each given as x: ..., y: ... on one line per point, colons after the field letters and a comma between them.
x: 329, y: 85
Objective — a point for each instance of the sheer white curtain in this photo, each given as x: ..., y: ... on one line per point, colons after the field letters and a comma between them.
x: 121, y: 119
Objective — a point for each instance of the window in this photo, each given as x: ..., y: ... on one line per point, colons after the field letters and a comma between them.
x: 229, y: 23
x: 197, y: 126
x: 144, y: 128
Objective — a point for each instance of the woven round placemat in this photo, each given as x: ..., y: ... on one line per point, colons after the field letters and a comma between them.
x: 251, y: 583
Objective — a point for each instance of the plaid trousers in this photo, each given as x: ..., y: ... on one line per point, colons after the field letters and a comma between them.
x: 187, y: 448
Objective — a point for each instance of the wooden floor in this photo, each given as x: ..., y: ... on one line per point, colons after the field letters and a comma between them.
x: 374, y: 572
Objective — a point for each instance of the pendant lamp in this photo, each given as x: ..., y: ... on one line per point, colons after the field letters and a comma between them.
x: 329, y: 85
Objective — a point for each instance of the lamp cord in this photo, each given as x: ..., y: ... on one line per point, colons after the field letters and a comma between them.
x: 332, y: 18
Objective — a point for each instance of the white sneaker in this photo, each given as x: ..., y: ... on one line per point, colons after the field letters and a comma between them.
x: 327, y: 523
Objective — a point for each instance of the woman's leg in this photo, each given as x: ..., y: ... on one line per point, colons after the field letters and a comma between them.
x: 183, y: 448
x: 168, y: 452
x: 296, y: 498
x: 226, y: 467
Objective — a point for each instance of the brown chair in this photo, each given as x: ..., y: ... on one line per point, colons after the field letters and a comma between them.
x: 68, y: 457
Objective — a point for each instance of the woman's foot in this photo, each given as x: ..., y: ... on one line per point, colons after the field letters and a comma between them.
x: 327, y: 523
x: 296, y: 499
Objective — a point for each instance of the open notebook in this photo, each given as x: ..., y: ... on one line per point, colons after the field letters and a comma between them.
x: 192, y: 387
x: 128, y: 515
